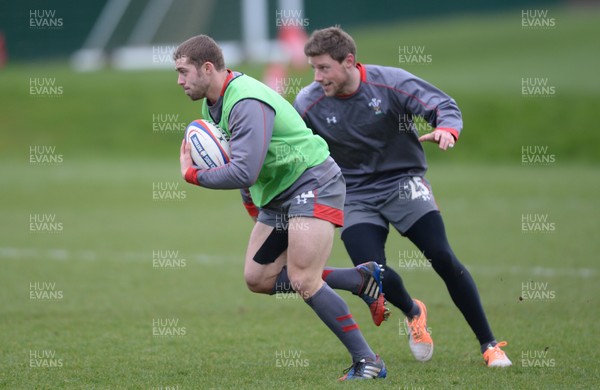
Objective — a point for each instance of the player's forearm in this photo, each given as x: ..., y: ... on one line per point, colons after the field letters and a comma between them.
x: 241, y: 172
x: 436, y: 107
x: 449, y: 117
x: 251, y: 125
x: 226, y: 177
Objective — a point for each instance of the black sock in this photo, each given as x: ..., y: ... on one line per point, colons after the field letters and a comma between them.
x: 396, y: 293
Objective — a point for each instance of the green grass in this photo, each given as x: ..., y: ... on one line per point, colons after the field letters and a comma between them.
x: 102, y: 261
x: 101, y: 257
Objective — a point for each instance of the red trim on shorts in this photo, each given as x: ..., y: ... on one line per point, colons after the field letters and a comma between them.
x: 251, y: 209
x: 330, y: 214
x: 349, y: 328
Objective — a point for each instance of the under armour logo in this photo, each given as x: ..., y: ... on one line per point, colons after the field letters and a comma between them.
x: 304, y: 196
x: 331, y: 120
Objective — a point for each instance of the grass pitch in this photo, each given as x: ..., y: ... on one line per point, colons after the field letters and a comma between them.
x: 147, y: 293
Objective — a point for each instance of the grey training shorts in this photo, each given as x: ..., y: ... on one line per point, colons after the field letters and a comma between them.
x: 403, y: 207
x: 319, y: 193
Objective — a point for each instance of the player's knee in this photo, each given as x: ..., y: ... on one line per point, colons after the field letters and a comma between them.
x: 298, y: 282
x: 304, y: 283
x: 445, y: 263
x: 257, y: 283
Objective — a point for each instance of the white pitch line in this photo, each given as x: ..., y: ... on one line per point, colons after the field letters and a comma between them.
x: 575, y: 272
x: 61, y: 254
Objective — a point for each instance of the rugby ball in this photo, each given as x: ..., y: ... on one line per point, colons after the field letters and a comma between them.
x: 210, y: 148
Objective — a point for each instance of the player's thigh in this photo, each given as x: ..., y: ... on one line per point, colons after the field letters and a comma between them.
x: 363, y: 212
x: 310, y: 243
x: 261, y: 272
x: 314, y: 210
x: 365, y: 242
x: 365, y: 231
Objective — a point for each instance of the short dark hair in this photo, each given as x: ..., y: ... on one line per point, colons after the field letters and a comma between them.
x: 201, y: 49
x: 333, y: 41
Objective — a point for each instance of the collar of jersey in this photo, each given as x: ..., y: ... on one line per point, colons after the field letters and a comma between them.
x: 363, y: 78
x: 226, y: 82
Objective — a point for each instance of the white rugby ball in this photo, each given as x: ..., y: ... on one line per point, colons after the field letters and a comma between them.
x: 210, y: 148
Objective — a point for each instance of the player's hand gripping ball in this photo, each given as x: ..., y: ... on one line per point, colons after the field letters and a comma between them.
x: 209, y: 146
